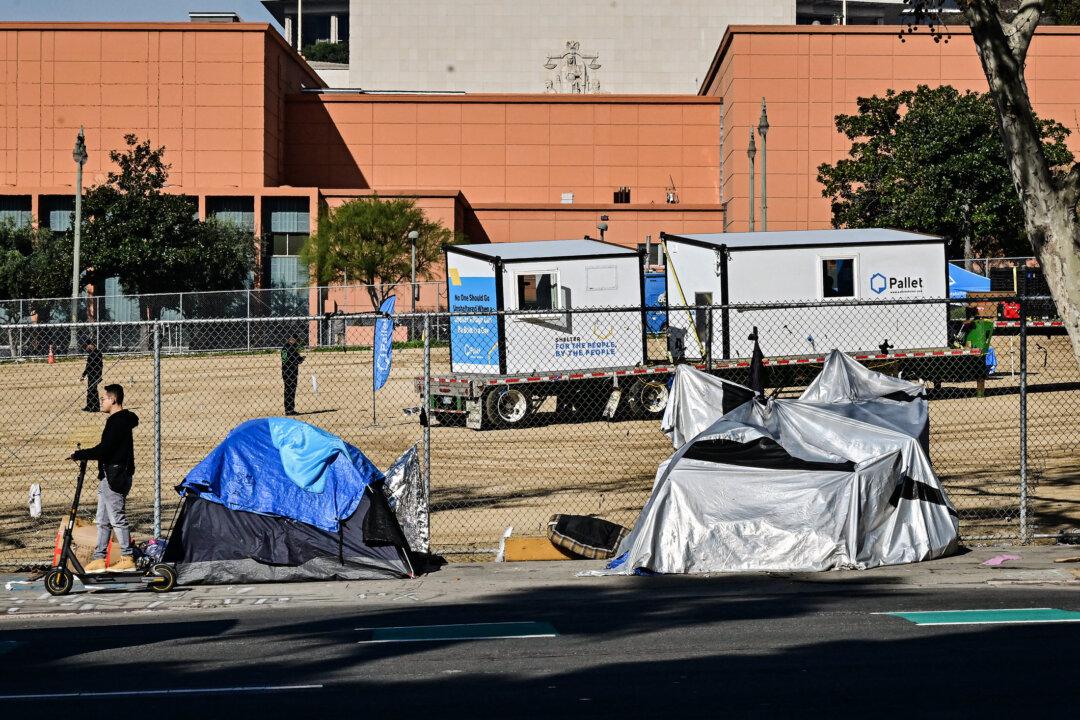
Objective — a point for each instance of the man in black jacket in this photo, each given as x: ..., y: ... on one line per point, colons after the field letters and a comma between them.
x: 115, y: 455
x: 290, y: 368
x: 95, y: 365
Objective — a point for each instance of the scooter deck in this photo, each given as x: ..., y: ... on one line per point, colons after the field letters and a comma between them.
x: 136, y: 576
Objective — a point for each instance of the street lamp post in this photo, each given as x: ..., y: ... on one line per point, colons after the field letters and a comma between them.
x: 80, y: 156
x: 751, y: 151
x: 763, y: 130
x: 414, y: 290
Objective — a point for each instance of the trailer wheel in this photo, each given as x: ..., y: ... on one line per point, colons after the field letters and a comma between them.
x: 58, y: 581
x: 648, y: 398
x: 507, y: 406
x: 166, y: 578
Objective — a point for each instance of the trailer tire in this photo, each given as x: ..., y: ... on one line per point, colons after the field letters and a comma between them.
x: 647, y: 398
x: 507, y: 407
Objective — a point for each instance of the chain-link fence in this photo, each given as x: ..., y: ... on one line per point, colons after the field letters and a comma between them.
x: 538, y: 413
x: 34, y: 331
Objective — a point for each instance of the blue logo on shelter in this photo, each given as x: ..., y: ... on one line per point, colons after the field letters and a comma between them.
x: 878, y: 283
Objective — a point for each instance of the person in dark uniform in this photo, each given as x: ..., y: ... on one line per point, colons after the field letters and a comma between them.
x: 290, y: 368
x: 95, y: 365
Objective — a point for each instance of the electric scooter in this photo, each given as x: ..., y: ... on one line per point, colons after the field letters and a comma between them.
x: 159, y: 577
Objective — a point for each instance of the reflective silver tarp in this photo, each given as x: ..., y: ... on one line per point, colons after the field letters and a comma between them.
x: 404, y: 490
x: 842, y: 481
x: 695, y: 402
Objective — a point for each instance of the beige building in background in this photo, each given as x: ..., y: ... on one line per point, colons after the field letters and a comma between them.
x: 504, y: 46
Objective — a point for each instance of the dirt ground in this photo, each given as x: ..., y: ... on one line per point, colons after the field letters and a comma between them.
x: 483, y: 482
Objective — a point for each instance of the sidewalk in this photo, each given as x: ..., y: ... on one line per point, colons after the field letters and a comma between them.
x: 1035, y: 568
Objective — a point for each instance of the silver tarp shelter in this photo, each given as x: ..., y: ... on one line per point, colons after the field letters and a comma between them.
x: 839, y: 478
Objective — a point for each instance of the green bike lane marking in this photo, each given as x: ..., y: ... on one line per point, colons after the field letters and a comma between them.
x: 1010, y: 616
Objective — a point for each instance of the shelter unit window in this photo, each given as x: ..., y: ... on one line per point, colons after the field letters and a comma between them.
x: 602, y: 277
x: 838, y: 277
x: 538, y: 291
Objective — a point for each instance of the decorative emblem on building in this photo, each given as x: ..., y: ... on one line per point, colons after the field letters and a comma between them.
x: 572, y: 71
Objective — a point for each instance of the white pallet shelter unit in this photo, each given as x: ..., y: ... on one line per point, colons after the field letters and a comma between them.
x: 546, y: 278
x: 822, y: 266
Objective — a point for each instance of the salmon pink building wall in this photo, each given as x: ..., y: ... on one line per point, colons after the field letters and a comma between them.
x: 809, y: 74
x: 512, y: 157
x: 509, y: 148
x: 212, y: 94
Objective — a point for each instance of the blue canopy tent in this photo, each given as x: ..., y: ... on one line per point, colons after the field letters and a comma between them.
x: 279, y: 500
x: 962, y: 281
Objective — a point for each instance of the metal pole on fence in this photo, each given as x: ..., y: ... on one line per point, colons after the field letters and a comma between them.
x: 1024, y: 530
x: 247, y: 314
x: 708, y: 347
x: 180, y: 330
x: 426, y: 417
x: 157, y: 430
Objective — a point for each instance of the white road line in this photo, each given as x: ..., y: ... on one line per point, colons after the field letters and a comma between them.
x: 452, y: 639
x: 183, y: 691
x: 429, y: 627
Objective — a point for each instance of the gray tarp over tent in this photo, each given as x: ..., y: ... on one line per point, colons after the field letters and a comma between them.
x: 837, y: 478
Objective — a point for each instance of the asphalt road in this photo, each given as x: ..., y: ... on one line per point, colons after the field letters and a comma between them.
x: 632, y: 647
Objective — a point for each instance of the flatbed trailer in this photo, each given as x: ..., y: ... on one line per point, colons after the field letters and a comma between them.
x: 483, y: 401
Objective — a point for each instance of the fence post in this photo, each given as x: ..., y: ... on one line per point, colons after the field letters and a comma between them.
x: 247, y: 314
x: 425, y: 415
x: 708, y: 347
x: 157, y: 430
x: 1024, y: 529
x: 180, y: 345
x: 21, y: 316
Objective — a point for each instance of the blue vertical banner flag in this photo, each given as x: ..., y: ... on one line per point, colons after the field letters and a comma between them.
x: 384, y: 342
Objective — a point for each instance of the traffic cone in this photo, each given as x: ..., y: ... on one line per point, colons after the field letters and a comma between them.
x: 52, y: 357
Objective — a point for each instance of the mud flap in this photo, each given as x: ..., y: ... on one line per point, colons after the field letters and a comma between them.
x: 612, y: 404
x: 474, y: 413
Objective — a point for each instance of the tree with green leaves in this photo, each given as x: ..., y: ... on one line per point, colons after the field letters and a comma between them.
x: 153, y: 241
x: 323, y: 51
x: 367, y: 241
x: 932, y: 160
x: 1002, y: 32
x: 34, y: 263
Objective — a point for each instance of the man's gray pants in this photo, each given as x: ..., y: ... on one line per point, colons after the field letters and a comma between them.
x: 111, y: 516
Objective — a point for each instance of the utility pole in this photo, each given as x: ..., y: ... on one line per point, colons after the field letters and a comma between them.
x: 751, y: 151
x: 80, y: 156
x: 413, y: 290
x: 763, y: 129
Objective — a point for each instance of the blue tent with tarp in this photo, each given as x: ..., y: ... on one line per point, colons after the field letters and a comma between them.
x: 962, y: 281
x: 280, y: 500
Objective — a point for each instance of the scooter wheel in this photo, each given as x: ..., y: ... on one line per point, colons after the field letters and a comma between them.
x: 58, y: 581
x: 166, y: 578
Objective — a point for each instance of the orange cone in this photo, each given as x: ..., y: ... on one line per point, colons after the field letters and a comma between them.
x: 52, y: 357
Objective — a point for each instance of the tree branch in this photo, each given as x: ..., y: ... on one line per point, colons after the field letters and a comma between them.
x: 1022, y: 27
x: 1069, y: 186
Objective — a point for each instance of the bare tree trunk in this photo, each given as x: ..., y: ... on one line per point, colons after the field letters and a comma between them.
x: 1049, y: 203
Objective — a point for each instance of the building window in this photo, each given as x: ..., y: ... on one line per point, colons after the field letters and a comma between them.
x: 286, y: 269
x: 538, y: 291
x: 239, y: 211
x: 838, y: 278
